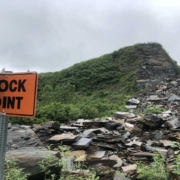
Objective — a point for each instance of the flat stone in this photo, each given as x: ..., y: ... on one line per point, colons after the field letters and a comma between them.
x: 123, y: 115
x: 109, y: 138
x: 88, y: 133
x: 139, y: 158
x: 68, y: 128
x: 128, y: 168
x: 80, y: 155
x: 158, y: 149
x: 142, y: 153
x: 96, y: 155
x: 153, y: 98
x: 62, y: 137
x: 82, y: 143
x: 174, y: 98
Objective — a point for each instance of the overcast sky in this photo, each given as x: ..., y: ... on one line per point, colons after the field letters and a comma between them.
x: 50, y: 35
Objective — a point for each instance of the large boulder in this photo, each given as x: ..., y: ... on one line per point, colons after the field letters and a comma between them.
x: 28, y: 159
x: 22, y: 136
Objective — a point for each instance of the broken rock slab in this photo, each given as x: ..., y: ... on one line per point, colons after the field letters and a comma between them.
x: 130, y: 168
x: 68, y: 128
x: 174, y: 123
x: 152, y: 121
x: 62, y: 137
x: 108, y: 138
x: 144, y: 154
x: 79, y: 155
x: 96, y: 155
x: 174, y: 98
x: 123, y: 115
x: 82, y: 143
x: 90, y: 132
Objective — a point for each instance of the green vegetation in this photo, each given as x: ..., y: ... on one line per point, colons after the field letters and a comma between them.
x: 154, y: 110
x: 62, y: 164
x: 12, y: 171
x: 93, y: 88
x: 156, y: 170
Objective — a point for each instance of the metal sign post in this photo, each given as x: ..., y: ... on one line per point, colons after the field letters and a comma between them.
x: 3, y: 140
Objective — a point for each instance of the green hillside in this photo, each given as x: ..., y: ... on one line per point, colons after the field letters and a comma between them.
x: 96, y: 87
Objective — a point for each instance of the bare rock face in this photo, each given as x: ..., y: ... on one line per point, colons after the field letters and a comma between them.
x: 155, y: 65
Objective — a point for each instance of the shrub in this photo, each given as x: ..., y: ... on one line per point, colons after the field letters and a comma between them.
x: 155, y: 171
x: 12, y: 171
x: 154, y: 110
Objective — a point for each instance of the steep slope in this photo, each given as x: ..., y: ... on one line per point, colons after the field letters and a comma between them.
x: 99, y: 86
x: 122, y: 68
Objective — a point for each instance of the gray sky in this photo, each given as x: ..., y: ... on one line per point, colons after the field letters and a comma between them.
x: 50, y: 35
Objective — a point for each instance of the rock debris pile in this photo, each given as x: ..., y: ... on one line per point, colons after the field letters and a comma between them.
x: 114, y: 144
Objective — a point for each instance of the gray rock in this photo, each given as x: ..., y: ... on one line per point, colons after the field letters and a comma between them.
x: 152, y: 121
x: 174, y: 98
x: 28, y: 158
x: 22, y: 136
x: 133, y: 101
x: 174, y: 123
x: 82, y: 143
x: 123, y: 115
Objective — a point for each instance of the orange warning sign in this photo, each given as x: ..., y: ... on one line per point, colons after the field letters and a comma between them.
x: 18, y: 93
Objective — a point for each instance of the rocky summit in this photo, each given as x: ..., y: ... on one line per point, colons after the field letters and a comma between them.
x: 149, y: 83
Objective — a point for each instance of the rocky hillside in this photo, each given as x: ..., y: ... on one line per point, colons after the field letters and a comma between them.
x: 112, y: 147
x: 100, y: 86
